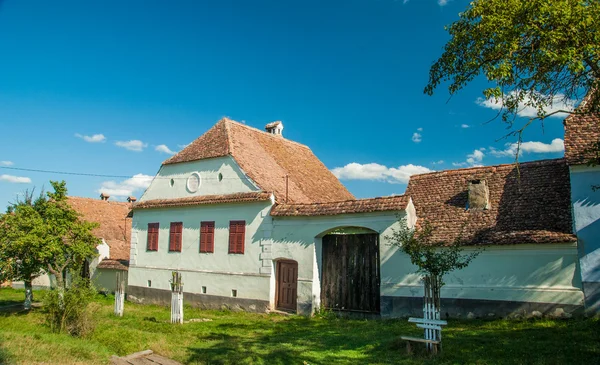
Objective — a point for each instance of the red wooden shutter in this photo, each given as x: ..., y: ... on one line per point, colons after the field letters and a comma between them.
x: 237, y: 233
x: 207, y: 237
x: 175, y: 238
x: 152, y: 244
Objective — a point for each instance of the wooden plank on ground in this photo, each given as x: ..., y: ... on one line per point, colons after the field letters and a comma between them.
x: 162, y: 360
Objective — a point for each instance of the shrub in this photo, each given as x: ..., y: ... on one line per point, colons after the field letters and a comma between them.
x: 72, y: 309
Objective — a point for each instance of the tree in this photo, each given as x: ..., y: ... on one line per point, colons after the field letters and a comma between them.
x: 534, y: 53
x: 433, y: 259
x: 22, y: 234
x: 44, y: 235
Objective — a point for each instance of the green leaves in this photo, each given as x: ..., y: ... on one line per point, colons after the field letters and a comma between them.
x: 432, y: 258
x: 534, y: 53
x: 43, y: 232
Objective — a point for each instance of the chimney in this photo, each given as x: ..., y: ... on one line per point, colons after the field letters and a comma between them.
x: 131, y: 199
x: 104, y: 197
x: 275, y: 128
x: 479, y: 195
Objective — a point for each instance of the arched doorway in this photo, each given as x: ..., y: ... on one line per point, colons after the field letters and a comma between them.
x: 286, y: 285
x: 350, y: 271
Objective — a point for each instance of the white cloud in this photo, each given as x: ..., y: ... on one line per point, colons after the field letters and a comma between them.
x: 416, y: 137
x: 182, y: 146
x: 127, y: 187
x: 133, y: 145
x: 525, y: 110
x: 442, y: 2
x: 375, y: 171
x: 96, y: 138
x: 557, y: 145
x: 438, y: 162
x: 15, y: 179
x: 419, y: 129
x: 6, y: 163
x: 473, y: 159
x: 163, y: 148
x: 465, y: 126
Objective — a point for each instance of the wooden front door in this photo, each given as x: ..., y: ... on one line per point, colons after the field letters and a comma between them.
x: 350, y: 280
x: 287, y: 285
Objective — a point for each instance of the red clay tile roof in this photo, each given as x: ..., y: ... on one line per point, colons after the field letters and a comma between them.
x: 392, y: 203
x: 204, y: 199
x: 267, y: 159
x: 534, y: 208
x: 114, y: 264
x: 114, y: 228
x: 582, y: 131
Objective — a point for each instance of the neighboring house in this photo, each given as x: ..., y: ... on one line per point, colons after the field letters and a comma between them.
x: 114, y: 230
x: 255, y: 221
x: 582, y: 152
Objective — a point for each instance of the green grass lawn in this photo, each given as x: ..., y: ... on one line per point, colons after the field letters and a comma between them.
x: 244, y: 338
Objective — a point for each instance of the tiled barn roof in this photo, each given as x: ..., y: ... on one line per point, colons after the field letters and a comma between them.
x: 582, y: 131
x: 114, y: 264
x: 115, y: 227
x: 530, y: 204
x: 392, y: 203
x: 267, y: 159
x: 204, y: 199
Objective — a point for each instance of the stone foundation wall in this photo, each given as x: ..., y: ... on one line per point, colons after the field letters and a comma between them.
x: 141, y: 295
x: 392, y: 307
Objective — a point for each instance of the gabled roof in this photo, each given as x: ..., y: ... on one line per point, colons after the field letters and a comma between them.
x: 391, y: 203
x: 582, y: 132
x: 115, y: 227
x: 530, y: 204
x: 267, y: 159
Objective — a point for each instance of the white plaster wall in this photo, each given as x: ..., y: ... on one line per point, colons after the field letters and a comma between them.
x: 529, y: 273
x: 234, y: 179
x: 299, y: 239
x: 219, y: 271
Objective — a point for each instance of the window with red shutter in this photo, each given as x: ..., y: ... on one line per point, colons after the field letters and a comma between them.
x: 175, y: 234
x: 237, y: 235
x: 152, y: 244
x: 207, y: 237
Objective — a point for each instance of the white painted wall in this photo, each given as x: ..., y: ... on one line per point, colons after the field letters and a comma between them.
x: 233, y: 179
x: 220, y: 271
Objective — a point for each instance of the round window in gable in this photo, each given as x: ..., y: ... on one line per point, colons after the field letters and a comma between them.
x: 220, y: 176
x: 172, y: 182
x: 194, y: 182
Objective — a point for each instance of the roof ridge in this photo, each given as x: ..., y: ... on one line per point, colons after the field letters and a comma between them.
x: 254, y: 129
x: 97, y: 200
x: 492, y: 168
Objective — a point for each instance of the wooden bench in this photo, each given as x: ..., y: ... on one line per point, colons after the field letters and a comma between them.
x: 410, y: 340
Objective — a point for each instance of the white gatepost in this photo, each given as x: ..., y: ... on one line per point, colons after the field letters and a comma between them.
x: 120, y: 293
x: 176, y: 298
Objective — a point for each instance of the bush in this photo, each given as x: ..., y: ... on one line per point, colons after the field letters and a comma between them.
x: 72, y: 312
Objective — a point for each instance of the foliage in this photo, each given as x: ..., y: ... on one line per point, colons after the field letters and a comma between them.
x: 432, y: 258
x: 535, y: 53
x: 72, y: 311
x: 250, y: 338
x: 44, y: 233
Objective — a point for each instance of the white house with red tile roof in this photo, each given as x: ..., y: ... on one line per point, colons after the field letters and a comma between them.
x: 255, y: 221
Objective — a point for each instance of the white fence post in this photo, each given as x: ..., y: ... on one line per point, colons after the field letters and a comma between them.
x: 120, y: 293
x: 176, y: 298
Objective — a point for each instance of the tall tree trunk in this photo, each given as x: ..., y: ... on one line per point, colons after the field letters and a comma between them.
x: 28, y: 294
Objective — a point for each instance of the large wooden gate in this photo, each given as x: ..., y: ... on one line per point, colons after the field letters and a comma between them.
x: 287, y: 285
x: 350, y: 279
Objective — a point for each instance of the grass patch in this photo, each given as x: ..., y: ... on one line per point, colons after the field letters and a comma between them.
x: 245, y: 338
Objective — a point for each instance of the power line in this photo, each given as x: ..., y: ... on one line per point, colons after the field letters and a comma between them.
x: 109, y: 176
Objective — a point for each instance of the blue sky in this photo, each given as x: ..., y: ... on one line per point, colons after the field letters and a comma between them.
x: 345, y: 77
